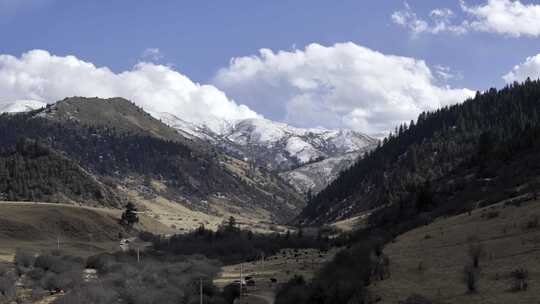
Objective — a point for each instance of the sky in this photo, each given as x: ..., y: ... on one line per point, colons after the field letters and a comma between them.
x: 363, y: 65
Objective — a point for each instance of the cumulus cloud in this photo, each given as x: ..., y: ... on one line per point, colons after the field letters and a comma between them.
x: 506, y: 17
x: 528, y: 69
x: 344, y: 85
x: 38, y: 75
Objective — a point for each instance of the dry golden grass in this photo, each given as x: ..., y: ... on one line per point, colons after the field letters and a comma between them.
x: 180, y: 219
x: 430, y: 260
x: 82, y: 231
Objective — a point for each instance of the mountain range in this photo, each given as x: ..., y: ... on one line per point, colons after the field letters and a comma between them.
x: 481, y: 151
x: 104, y: 152
x: 307, y: 158
x: 255, y: 169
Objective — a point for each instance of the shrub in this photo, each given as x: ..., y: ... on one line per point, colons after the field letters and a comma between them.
x: 122, y: 279
x: 520, y: 279
x: 146, y: 236
x: 24, y: 258
x: 50, y: 281
x: 230, y: 293
x: 91, y: 294
x: 36, y: 274
x: 293, y: 292
x: 45, y: 262
x: 58, y: 264
x: 491, y: 214
x: 532, y: 223
x: 8, y: 290
x: 101, y: 262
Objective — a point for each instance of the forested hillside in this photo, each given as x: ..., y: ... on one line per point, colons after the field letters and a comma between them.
x: 30, y: 171
x: 118, y: 144
x: 476, y: 152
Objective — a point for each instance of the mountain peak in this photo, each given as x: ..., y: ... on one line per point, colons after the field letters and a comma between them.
x: 118, y: 113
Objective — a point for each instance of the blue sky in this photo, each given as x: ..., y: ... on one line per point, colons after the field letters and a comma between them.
x: 198, y: 38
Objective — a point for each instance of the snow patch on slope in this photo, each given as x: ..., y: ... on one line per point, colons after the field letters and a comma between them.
x: 316, y: 176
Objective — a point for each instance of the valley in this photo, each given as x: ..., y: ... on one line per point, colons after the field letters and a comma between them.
x: 444, y: 210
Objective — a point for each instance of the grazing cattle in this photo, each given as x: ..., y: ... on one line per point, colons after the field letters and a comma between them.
x: 273, y: 280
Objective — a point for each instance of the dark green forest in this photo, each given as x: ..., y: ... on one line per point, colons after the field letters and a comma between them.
x: 449, y: 158
x: 30, y: 171
x: 230, y: 244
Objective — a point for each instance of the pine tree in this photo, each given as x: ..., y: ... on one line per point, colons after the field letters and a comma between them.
x: 130, y: 217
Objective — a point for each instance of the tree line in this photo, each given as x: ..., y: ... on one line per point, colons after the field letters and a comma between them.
x: 480, y: 136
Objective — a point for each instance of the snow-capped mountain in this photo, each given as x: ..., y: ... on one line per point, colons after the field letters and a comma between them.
x: 309, y: 159
x: 278, y: 146
x: 315, y: 176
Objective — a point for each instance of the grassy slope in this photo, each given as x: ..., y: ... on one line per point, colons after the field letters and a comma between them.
x: 81, y: 230
x: 442, y: 247
x: 113, y: 112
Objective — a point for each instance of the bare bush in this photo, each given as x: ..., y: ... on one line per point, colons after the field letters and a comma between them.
x: 520, y: 279
x: 91, y: 294
x: 533, y: 223
x: 122, y: 279
x: 491, y: 214
x: 24, y: 258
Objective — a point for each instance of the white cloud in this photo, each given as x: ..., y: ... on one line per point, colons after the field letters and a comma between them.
x: 439, y: 20
x: 38, y: 75
x: 445, y: 73
x: 152, y: 54
x: 530, y: 68
x: 506, y: 17
x: 344, y: 85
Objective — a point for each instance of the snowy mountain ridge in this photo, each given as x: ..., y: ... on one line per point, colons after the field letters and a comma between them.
x: 274, y: 145
x: 308, y: 158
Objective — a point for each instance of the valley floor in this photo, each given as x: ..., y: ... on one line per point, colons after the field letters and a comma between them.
x: 281, y: 267
x: 430, y: 260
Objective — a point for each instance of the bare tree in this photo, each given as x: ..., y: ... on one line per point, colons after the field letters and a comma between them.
x: 471, y: 276
x: 471, y: 272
